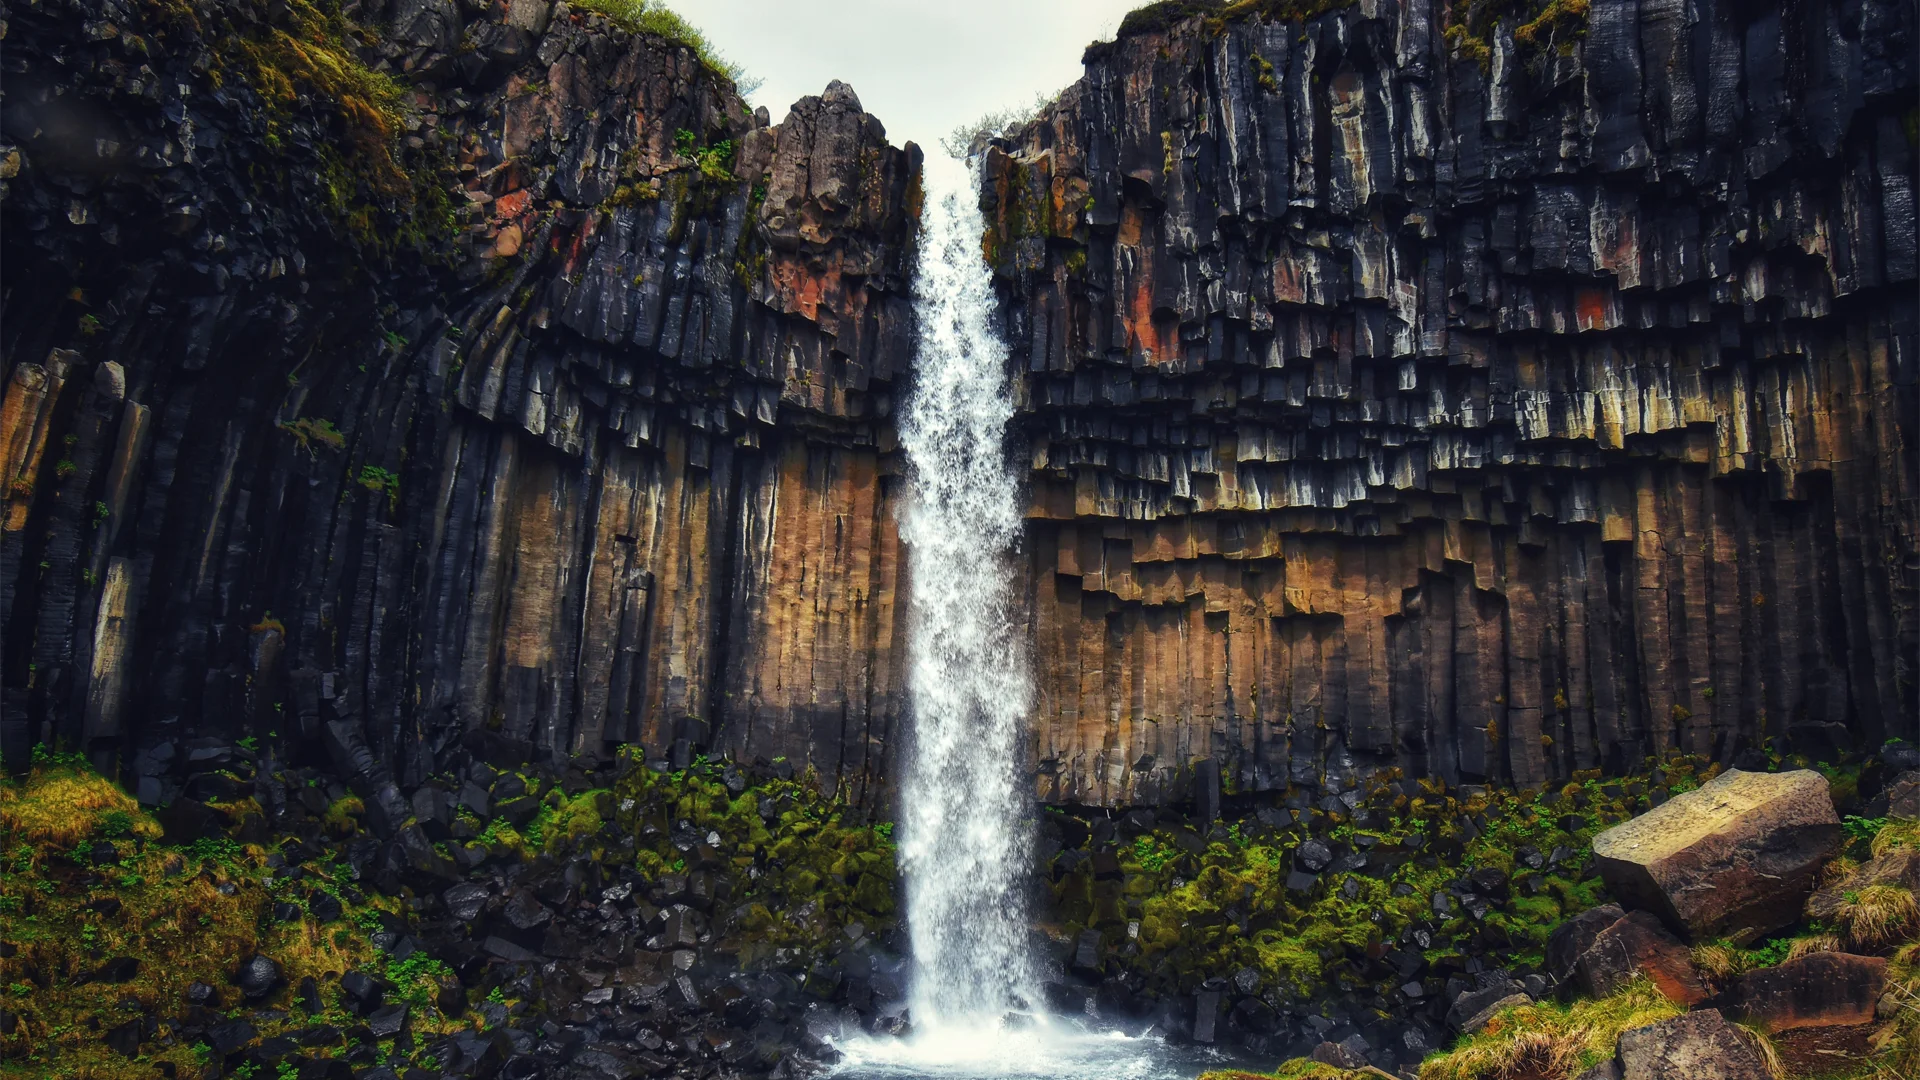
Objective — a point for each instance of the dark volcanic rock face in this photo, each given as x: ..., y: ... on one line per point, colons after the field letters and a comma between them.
x: 507, y: 375
x: 598, y: 454
x: 1494, y: 423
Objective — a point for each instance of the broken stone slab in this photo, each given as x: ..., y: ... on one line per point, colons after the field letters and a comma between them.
x: 1734, y: 858
x: 1575, y: 936
x: 1636, y: 944
x: 1822, y: 989
x: 1702, y: 1045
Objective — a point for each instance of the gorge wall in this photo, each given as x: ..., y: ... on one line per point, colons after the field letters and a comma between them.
x: 1489, y: 401
x: 603, y: 458
x: 1388, y: 404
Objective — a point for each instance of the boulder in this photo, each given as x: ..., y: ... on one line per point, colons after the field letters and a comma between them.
x: 1736, y: 857
x: 1903, y: 796
x: 1823, y: 989
x: 1636, y: 944
x: 258, y: 976
x: 1573, y: 937
x: 1702, y: 1045
x: 1479, y: 1020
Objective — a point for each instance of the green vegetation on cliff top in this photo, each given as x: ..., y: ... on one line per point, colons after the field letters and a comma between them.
x: 1470, y: 23
x: 654, y: 17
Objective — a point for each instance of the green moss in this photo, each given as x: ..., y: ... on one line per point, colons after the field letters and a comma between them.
x: 812, y: 865
x: 304, y: 66
x: 1537, y: 25
x: 1228, y: 905
x: 182, y: 914
x: 1551, y: 1039
x: 307, y: 431
x: 1165, y: 15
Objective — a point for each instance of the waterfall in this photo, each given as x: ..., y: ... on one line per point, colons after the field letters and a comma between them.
x: 965, y: 816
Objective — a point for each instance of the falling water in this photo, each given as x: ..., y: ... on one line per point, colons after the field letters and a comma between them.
x: 966, y: 813
x: 964, y: 822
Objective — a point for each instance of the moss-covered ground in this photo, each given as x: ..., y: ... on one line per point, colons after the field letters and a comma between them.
x: 1554, y: 1040
x: 103, y: 926
x: 1418, y: 876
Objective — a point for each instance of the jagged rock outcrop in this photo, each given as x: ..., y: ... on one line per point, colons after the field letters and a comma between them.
x: 1492, y: 421
x: 600, y: 454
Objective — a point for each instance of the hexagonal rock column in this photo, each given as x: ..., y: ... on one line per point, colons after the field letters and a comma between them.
x: 1735, y: 858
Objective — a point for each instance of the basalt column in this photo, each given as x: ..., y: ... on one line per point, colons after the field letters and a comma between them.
x: 1494, y: 404
x: 601, y: 453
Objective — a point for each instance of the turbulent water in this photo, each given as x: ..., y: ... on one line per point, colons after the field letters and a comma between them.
x: 965, y: 813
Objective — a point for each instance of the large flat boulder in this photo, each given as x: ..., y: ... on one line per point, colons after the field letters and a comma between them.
x: 1702, y: 1045
x: 1735, y: 858
x: 1823, y: 989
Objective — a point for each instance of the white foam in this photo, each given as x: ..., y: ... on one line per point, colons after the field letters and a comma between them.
x: 966, y: 813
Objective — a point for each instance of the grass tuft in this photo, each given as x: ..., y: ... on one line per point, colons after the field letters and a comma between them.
x: 1896, y: 836
x: 1550, y: 1040
x: 1813, y: 943
x: 61, y: 805
x: 1878, y: 916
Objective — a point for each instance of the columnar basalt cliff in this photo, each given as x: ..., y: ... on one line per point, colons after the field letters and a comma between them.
x: 1491, y: 406
x: 1491, y: 400
x: 599, y: 455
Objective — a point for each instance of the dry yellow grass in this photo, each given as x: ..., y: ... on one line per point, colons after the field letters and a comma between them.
x: 1897, y: 1042
x: 1896, y: 836
x: 1718, y: 961
x: 61, y: 805
x: 1813, y: 943
x: 185, y: 916
x: 1878, y: 916
x: 1551, y: 1040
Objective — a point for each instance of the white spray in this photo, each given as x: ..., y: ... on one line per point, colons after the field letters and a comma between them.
x: 965, y: 818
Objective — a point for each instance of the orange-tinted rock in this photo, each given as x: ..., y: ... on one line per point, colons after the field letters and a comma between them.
x: 1378, y: 418
x: 1736, y: 857
x: 1822, y: 989
x: 1637, y: 944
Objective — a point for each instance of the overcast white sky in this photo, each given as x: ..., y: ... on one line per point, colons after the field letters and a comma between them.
x: 923, y: 67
